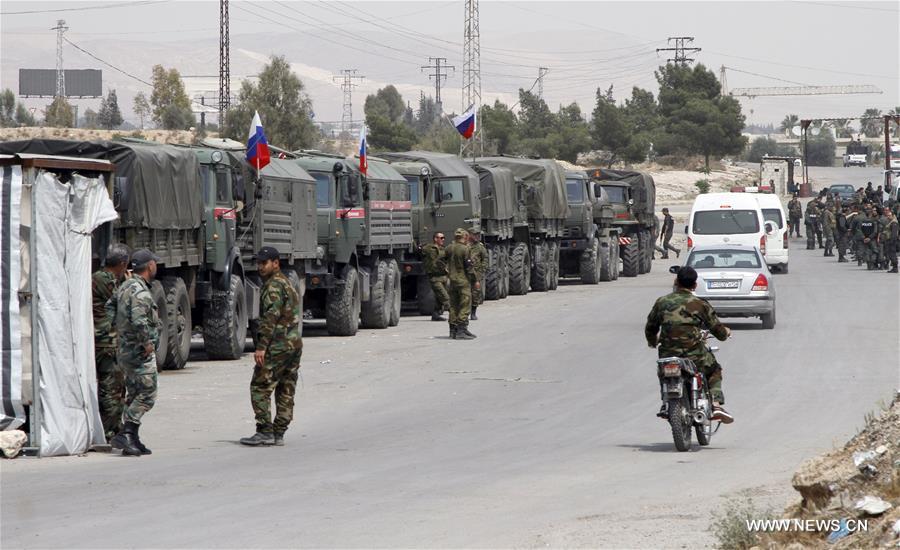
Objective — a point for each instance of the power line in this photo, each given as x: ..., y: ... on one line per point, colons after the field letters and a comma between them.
x: 224, y: 61
x: 438, y: 77
x: 346, y: 79
x: 85, y: 8
x: 60, y: 29
x: 681, y: 51
x: 542, y: 71
x: 107, y: 63
x: 471, y: 96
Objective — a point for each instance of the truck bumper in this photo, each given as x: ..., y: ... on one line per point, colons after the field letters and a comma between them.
x: 573, y: 245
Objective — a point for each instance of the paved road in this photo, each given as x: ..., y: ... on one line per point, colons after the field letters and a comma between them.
x: 540, y: 432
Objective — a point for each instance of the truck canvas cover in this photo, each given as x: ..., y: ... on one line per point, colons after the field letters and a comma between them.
x: 156, y: 186
x: 378, y: 170
x: 498, y: 192
x: 643, y: 189
x: 545, y: 181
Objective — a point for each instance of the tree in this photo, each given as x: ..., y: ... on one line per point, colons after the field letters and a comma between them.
x: 109, y: 116
x: 789, y: 122
x: 608, y: 128
x: 283, y: 105
x: 171, y: 105
x: 820, y: 150
x: 872, y: 124
x: 763, y: 146
x: 536, y: 126
x: 572, y: 135
x: 499, y: 126
x: 90, y: 119
x: 141, y: 107
x: 7, y: 107
x: 24, y: 116
x: 60, y: 114
x: 841, y: 127
x: 641, y: 111
x: 385, y: 111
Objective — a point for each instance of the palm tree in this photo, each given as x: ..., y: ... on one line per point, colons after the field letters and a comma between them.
x: 871, y: 125
x: 789, y: 122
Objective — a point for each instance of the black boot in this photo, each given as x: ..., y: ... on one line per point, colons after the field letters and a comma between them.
x: 473, y: 317
x: 453, y: 332
x: 436, y: 314
x: 464, y: 334
x: 124, y: 440
x: 138, y: 443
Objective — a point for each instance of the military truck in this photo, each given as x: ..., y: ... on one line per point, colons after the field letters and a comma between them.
x: 364, y: 230
x: 186, y: 205
x: 633, y: 199
x: 589, y: 240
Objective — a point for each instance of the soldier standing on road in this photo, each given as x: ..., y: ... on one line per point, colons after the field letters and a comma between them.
x: 811, y: 220
x: 828, y: 225
x: 841, y: 229
x: 890, y: 238
x: 882, y: 262
x: 110, y: 378
x: 435, y: 263
x: 278, y: 351
x: 867, y: 231
x: 462, y: 280
x: 136, y: 319
x: 479, y: 257
x: 668, y: 227
x: 795, y: 213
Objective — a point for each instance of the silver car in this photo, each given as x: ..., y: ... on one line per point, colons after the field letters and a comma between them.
x: 735, y: 280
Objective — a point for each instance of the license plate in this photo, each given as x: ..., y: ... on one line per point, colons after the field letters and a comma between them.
x: 722, y: 284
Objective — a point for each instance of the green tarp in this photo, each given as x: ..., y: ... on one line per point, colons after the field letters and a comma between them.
x: 643, y: 188
x: 498, y: 192
x: 545, y: 183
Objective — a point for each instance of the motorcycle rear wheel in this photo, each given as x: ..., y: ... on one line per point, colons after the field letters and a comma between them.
x: 681, y: 423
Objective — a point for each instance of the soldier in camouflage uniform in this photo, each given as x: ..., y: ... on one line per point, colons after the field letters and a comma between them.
x: 137, y: 325
x: 110, y: 379
x: 795, y: 213
x: 278, y: 350
x: 674, y: 324
x: 435, y: 264
x: 478, y: 254
x: 462, y: 280
x: 882, y: 261
x: 841, y: 230
x: 867, y: 232
x: 890, y: 239
x: 828, y: 226
x: 813, y: 225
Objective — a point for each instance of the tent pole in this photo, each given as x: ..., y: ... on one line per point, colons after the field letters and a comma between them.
x: 36, y: 416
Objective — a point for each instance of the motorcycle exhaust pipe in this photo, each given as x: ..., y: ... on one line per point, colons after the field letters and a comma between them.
x: 700, y: 418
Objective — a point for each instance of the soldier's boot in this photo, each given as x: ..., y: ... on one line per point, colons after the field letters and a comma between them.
x: 259, y: 438
x: 279, y: 439
x: 436, y: 314
x: 124, y: 441
x: 453, y: 332
x: 473, y: 317
x: 138, y: 443
x: 464, y: 331
x: 893, y: 270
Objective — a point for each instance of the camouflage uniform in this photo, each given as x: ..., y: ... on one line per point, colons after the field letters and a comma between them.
x: 813, y: 227
x: 110, y: 378
x: 795, y: 213
x: 137, y: 322
x: 890, y: 239
x: 828, y: 223
x: 841, y: 228
x: 678, y: 318
x: 462, y: 277
x: 279, y: 337
x: 879, y: 245
x: 478, y: 255
x: 435, y: 263
x: 867, y: 230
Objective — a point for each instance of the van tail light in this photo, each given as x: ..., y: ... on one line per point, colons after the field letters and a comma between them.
x: 784, y: 240
x: 762, y: 245
x: 761, y: 283
x: 690, y: 243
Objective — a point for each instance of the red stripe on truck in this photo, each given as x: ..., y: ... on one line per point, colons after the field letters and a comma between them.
x: 352, y: 213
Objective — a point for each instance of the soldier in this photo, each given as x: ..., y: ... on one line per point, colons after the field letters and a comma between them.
x: 795, y: 213
x: 811, y: 220
x: 668, y: 227
x: 841, y: 228
x: 278, y: 351
x: 867, y: 231
x: 674, y: 324
x: 479, y: 257
x: 890, y: 238
x: 852, y: 231
x: 462, y: 280
x: 110, y: 379
x: 136, y: 319
x: 828, y: 225
x: 435, y: 263
x: 882, y: 262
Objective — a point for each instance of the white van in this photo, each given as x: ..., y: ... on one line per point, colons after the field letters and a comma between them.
x: 775, y: 226
x: 726, y: 218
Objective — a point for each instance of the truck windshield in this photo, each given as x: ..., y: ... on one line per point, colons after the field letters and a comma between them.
x: 575, y: 191
x: 725, y: 222
x: 724, y: 259
x: 773, y: 215
x: 452, y: 190
x: 413, y: 188
x: 323, y: 189
x: 616, y: 194
x: 223, y: 194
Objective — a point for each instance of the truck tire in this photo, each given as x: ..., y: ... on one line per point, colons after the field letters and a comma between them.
x: 651, y: 250
x: 178, y: 323
x: 492, y: 277
x: 554, y: 265
x: 520, y: 270
x: 589, y: 265
x: 225, y: 322
x: 605, y: 260
x: 299, y: 284
x: 376, y: 313
x: 645, y: 252
x: 424, y: 296
x: 504, y: 271
x: 159, y: 298
x: 541, y: 272
x: 342, y: 305
x: 396, y: 296
x: 631, y: 258
x: 615, y: 250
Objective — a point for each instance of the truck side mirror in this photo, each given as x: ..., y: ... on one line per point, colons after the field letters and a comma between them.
x: 347, y: 190
x: 438, y: 192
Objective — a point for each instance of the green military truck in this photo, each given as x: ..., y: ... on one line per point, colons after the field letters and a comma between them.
x: 589, y: 244
x: 186, y: 204
x: 633, y: 199
x: 364, y: 230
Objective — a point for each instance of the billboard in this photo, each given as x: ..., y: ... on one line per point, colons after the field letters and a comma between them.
x: 42, y: 82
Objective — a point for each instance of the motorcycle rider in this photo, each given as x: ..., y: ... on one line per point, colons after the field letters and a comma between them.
x: 675, y: 324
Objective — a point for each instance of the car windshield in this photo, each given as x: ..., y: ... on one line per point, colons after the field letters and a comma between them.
x: 575, y: 191
x: 842, y: 189
x: 725, y: 222
x: 724, y: 259
x: 773, y: 215
x: 616, y: 194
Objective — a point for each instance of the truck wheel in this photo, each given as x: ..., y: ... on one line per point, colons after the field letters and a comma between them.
x: 376, y: 313
x: 159, y: 298
x: 604, y: 257
x: 225, y: 322
x: 631, y: 258
x: 554, y: 265
x: 492, y: 278
x: 299, y: 284
x: 540, y: 273
x: 424, y: 296
x: 520, y: 270
x: 615, y: 250
x: 589, y: 266
x: 342, y: 305
x: 651, y: 249
x: 504, y: 271
x: 396, y: 296
x: 644, y: 252
x: 178, y: 322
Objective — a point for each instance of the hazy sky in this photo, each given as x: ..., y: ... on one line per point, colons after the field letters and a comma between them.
x: 584, y: 45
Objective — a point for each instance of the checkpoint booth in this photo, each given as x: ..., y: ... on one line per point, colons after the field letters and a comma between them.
x: 54, y: 213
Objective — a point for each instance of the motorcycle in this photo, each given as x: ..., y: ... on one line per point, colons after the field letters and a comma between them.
x: 690, y: 406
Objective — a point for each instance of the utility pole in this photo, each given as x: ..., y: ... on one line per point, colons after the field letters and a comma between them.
x: 224, y: 63
x: 722, y: 81
x: 346, y: 79
x: 471, y: 95
x: 439, y: 63
x: 542, y: 71
x: 60, y: 28
x: 680, y: 50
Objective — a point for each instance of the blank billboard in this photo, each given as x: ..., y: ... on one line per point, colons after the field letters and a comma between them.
x: 42, y: 82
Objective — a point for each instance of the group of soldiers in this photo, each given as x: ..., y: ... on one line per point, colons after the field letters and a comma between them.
x: 865, y: 226
x: 456, y: 274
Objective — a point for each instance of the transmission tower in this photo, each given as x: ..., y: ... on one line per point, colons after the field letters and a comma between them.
x: 542, y: 71
x: 346, y: 79
x: 471, y: 95
x: 438, y: 64
x: 224, y: 62
x: 60, y: 29
x: 722, y: 81
x: 681, y: 52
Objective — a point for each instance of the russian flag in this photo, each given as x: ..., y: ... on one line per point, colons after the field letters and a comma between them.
x: 363, y: 163
x: 257, y: 146
x: 465, y: 123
